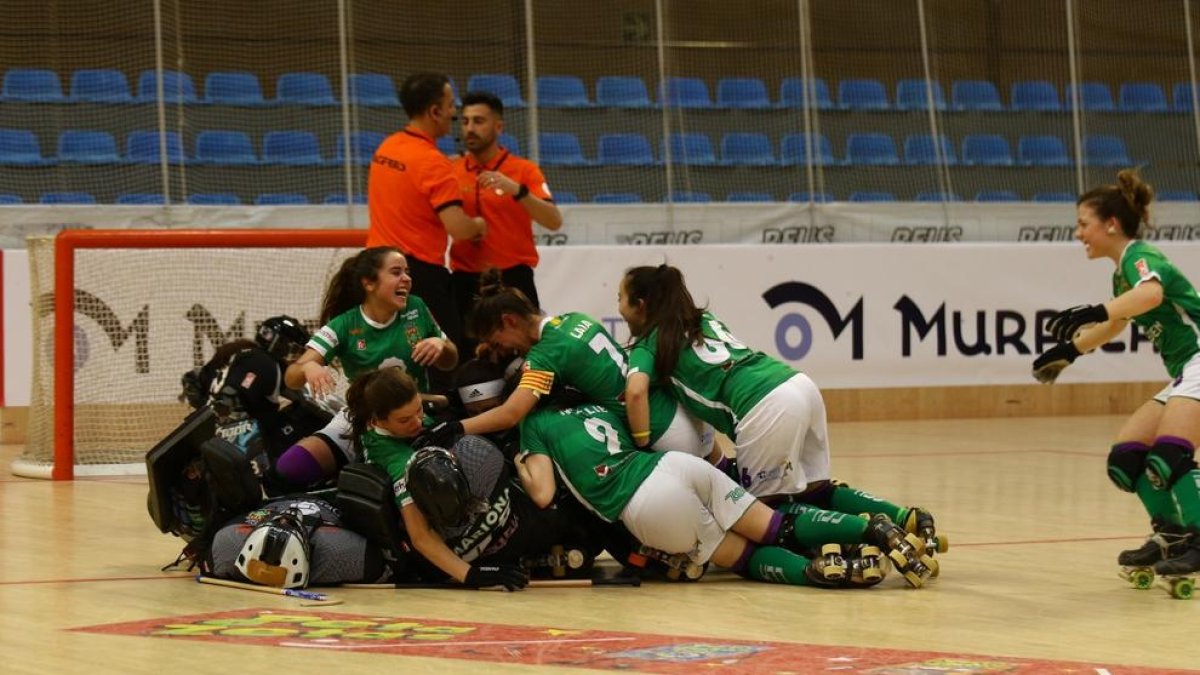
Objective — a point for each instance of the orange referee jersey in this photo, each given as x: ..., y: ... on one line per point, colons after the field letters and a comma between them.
x: 409, y: 183
x: 509, y: 238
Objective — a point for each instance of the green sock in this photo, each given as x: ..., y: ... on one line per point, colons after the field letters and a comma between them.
x: 848, y: 500
x: 1186, y: 492
x: 814, y: 527
x: 776, y: 565
x: 1160, y: 504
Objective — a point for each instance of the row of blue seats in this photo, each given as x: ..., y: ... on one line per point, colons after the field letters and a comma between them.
x: 564, y: 91
x: 289, y: 199
x: 19, y: 147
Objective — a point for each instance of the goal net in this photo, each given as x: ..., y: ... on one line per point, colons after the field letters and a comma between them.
x: 141, y: 307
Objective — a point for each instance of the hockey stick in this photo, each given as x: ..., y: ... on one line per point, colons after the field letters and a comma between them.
x: 537, y: 583
x: 314, y: 599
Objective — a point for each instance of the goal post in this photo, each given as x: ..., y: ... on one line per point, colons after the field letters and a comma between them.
x: 97, y: 404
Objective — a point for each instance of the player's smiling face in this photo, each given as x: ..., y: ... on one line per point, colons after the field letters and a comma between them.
x: 1093, y: 232
x: 512, y: 336
x: 392, y: 284
x: 405, y: 421
x: 634, y: 313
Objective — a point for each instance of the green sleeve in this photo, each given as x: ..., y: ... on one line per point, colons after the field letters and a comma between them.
x: 642, y: 355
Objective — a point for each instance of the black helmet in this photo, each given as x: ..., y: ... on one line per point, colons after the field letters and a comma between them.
x: 439, y: 488
x: 281, y: 336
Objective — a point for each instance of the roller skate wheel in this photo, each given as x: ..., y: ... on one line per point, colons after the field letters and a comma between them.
x: 674, y: 574
x: 943, y: 543
x: 1181, y: 589
x: 834, y: 572
x: 870, y: 552
x: 935, y: 568
x: 898, y: 560
x: 831, y: 549
x: 913, y: 579
x: 1142, y: 578
x: 915, y: 541
x: 872, y: 574
x: 576, y: 559
x: 557, y: 556
x: 693, y: 571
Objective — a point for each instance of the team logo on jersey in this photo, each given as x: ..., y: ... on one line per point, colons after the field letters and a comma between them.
x: 411, y: 333
x: 602, y: 470
x: 1142, y: 268
x: 361, y: 345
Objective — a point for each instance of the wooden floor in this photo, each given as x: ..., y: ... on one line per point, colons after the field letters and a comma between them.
x: 1030, y: 581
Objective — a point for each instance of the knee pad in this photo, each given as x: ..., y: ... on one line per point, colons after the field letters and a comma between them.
x: 1126, y: 462
x: 1168, y: 461
x: 820, y: 495
x: 367, y: 502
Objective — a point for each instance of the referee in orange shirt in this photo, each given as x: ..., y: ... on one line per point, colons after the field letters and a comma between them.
x: 414, y: 200
x: 510, y: 193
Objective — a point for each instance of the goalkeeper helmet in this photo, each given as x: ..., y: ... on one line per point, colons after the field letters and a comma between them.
x: 439, y: 488
x: 276, y: 552
x: 282, y: 336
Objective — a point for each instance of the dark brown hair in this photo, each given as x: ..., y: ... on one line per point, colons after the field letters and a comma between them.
x: 345, y: 290
x: 496, y: 300
x: 374, y: 395
x: 1128, y: 201
x: 669, y: 308
x: 421, y: 91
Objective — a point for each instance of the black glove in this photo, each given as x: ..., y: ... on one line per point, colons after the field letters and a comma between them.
x: 511, y: 577
x: 1064, y: 324
x: 1047, y: 366
x: 442, y: 435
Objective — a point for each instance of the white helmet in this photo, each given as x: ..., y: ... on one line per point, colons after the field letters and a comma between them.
x: 276, y: 552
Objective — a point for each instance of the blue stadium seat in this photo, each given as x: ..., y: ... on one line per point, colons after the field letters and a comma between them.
x: 919, y: 149
x: 689, y: 197
x: 177, y: 87
x: 362, y: 147
x: 304, y: 89
x: 624, y: 150
x: 225, y: 148
x: 872, y: 197
x: 67, y: 198
x: 1142, y: 97
x: 691, y: 148
x: 1105, y: 150
x: 1182, y: 95
x: 565, y: 197
x: 449, y: 146
x: 793, y: 149
x: 684, y: 92
x: 794, y: 92
x: 240, y: 89
x: 862, y: 94
x: 143, y: 147
x: 562, y: 91
x: 87, y: 147
x: 986, y: 150
x: 293, y: 148
x: 912, y: 95
x: 561, y: 149
x: 100, y: 85
x: 9, y: 199
x: 280, y: 199
x: 1036, y: 95
x: 617, y: 198
x: 938, y: 197
x: 19, y: 147
x: 997, y: 196
x: 373, y: 89
x: 340, y: 198
x: 1053, y: 197
x: 214, y: 199
x: 871, y: 149
x: 980, y: 95
x: 510, y: 143
x: 505, y: 87
x: 1042, y: 151
x: 739, y: 196
x: 1177, y: 196
x: 1093, y: 97
x: 742, y: 93
x: 805, y: 197
x: 746, y: 149
x: 141, y: 198
x: 621, y: 91
x: 32, y: 85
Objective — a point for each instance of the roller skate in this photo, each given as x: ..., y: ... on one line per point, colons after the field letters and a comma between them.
x: 906, y: 550
x: 829, y: 569
x: 1137, y: 564
x: 1177, y: 575
x: 677, y: 566
x: 561, y: 561
x: 918, y: 521
x: 868, y: 566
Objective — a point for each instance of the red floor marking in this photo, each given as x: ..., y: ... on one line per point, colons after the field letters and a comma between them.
x: 576, y: 648
x: 1050, y: 541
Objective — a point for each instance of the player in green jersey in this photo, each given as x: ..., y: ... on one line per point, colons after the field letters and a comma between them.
x: 571, y: 350
x: 774, y: 415
x: 370, y: 321
x: 680, y: 504
x: 1153, y: 453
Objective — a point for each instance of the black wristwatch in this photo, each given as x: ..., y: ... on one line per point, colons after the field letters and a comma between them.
x: 521, y: 194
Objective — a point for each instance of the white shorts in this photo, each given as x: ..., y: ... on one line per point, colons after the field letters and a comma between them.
x: 1186, y: 385
x: 685, y: 506
x: 783, y: 442
x: 686, y: 434
x: 335, y: 434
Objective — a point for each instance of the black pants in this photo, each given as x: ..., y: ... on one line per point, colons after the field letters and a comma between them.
x: 431, y: 283
x: 465, y: 286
